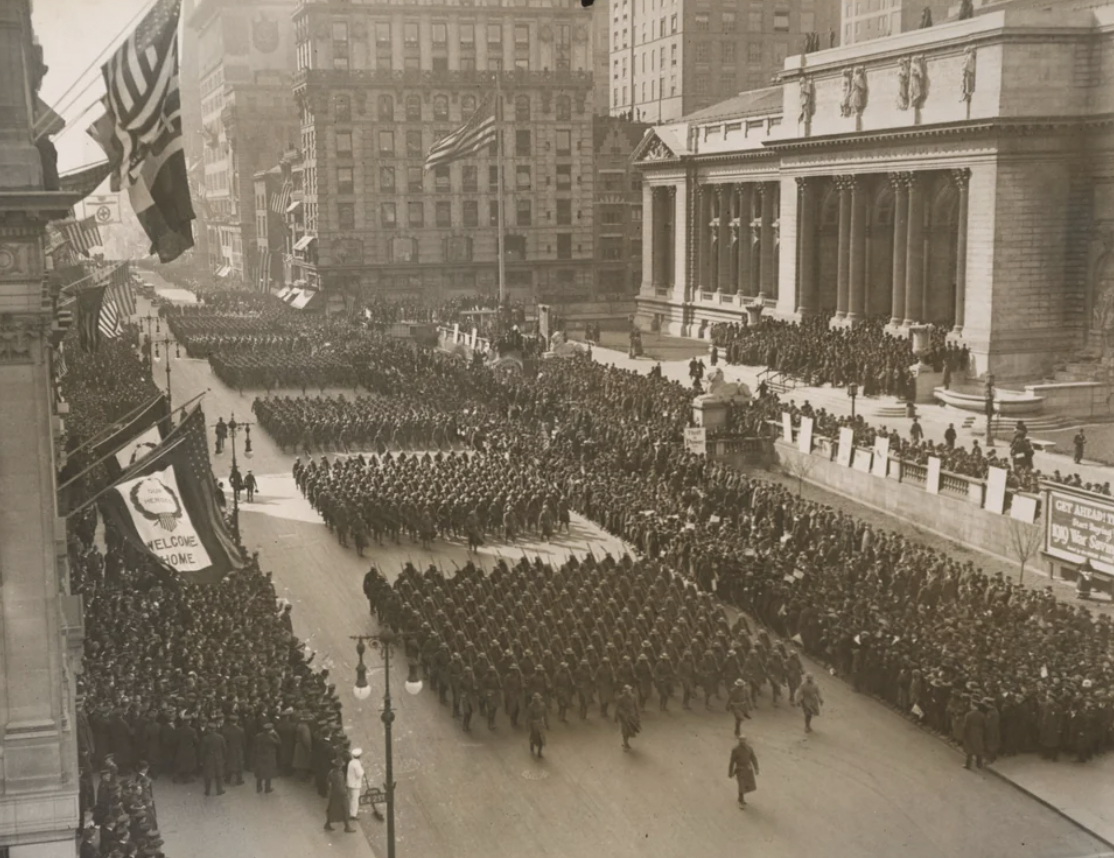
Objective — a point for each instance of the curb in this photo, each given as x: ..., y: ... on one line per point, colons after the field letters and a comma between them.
x: 1042, y: 800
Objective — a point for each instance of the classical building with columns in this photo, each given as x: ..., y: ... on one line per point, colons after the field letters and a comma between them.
x: 961, y: 175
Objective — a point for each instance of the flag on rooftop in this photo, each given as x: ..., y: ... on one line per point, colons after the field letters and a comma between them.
x: 476, y: 135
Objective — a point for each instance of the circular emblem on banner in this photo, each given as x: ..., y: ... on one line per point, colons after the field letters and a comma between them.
x: 156, y: 501
x: 104, y: 214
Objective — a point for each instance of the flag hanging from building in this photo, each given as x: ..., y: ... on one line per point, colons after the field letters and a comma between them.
x: 81, y: 235
x: 129, y: 440
x: 280, y: 202
x: 141, y: 131
x: 89, y: 304
x: 166, y: 505
x: 121, y: 295
x: 471, y: 138
x: 109, y: 323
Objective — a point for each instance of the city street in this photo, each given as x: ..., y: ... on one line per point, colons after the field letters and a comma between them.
x: 866, y: 782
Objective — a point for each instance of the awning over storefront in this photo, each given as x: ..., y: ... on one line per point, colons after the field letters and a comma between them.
x: 307, y: 300
x: 304, y: 242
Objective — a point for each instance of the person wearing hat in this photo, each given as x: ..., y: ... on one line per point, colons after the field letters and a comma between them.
x: 336, y: 808
x: 743, y: 766
x: 538, y: 720
x: 738, y: 703
x: 213, y: 752
x: 974, y: 734
x: 303, y: 747
x: 627, y: 714
x: 811, y: 700
x: 354, y: 782
x: 264, y: 748
x: 250, y: 485
x: 234, y: 749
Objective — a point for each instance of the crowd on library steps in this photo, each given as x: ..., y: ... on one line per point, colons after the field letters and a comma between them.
x: 902, y: 621
x: 594, y: 636
x: 179, y: 681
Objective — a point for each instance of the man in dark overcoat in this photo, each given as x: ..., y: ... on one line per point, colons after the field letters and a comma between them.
x: 743, y: 766
x: 974, y: 735
x: 265, y: 748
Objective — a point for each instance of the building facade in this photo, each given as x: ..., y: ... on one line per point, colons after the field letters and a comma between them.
x: 961, y: 176
x: 245, y: 58
x: 863, y: 20
x: 377, y: 85
x: 40, y: 623
x: 618, y: 203
x: 672, y: 57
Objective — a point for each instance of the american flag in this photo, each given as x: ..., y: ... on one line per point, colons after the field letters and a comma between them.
x: 109, y: 321
x: 281, y: 201
x: 471, y: 138
x: 89, y: 303
x: 82, y: 235
x: 141, y: 130
x: 120, y: 293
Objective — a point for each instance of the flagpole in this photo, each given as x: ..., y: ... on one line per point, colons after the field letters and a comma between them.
x: 500, y: 213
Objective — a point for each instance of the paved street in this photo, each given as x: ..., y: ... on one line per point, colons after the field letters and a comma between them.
x: 867, y: 782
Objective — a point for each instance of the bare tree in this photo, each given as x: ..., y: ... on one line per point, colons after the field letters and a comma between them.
x: 799, y: 465
x: 1025, y: 540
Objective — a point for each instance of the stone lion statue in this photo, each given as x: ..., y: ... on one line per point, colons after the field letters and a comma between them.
x: 728, y: 391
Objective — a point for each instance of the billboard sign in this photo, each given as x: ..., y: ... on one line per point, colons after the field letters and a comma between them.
x: 1080, y: 527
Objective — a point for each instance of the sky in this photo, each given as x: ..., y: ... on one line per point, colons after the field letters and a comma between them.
x: 76, y: 36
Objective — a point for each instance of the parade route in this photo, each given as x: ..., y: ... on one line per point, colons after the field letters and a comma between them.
x: 866, y: 782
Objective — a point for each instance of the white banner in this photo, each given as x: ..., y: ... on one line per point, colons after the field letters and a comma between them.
x: 139, y: 449
x: 846, y: 446
x: 786, y: 427
x: 160, y: 518
x: 881, y: 456
x: 932, y: 479
x: 804, y: 437
x: 104, y: 208
x: 995, y: 490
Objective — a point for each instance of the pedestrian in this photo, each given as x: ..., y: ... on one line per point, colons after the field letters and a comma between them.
x: 811, y: 701
x: 336, y: 809
x: 744, y: 768
x: 250, y: 485
x: 213, y: 750
x: 265, y: 757
x: 1080, y: 441
x: 354, y: 782
x: 303, y: 748
x: 974, y: 734
x: 626, y: 713
x: 234, y: 750
x: 222, y: 434
x: 236, y: 481
x: 536, y: 716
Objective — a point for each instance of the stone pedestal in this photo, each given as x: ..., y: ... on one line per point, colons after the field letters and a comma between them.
x: 925, y: 382
x: 754, y: 313
x: 709, y: 412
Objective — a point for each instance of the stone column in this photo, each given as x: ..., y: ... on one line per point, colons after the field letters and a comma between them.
x: 745, y: 248
x: 844, y: 185
x: 900, y: 184
x: 650, y: 239
x: 767, y: 277
x: 807, y: 298
x: 711, y: 224
x: 856, y: 307
x: 914, y: 252
x: 962, y: 179
x: 703, y: 237
x: 669, y: 230
x: 723, y: 234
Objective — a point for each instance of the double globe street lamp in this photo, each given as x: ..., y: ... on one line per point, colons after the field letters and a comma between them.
x: 385, y: 642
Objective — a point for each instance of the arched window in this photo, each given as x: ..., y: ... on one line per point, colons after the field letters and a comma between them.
x: 564, y: 108
x: 522, y: 108
x: 413, y: 108
x: 441, y: 108
x: 386, y: 108
x: 467, y: 106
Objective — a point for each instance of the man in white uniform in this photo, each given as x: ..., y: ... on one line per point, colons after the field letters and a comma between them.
x: 355, y: 782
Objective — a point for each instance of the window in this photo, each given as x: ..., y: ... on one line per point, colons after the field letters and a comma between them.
x: 673, y: 54
x: 780, y: 51
x: 467, y: 106
x: 728, y: 22
x: 386, y: 143
x: 468, y: 178
x: 521, y: 36
x: 443, y: 214
x: 494, y: 34
x: 413, y: 108
x: 440, y: 108
x: 754, y: 52
x: 636, y: 184
x: 415, y: 180
x: 387, y: 179
x: 564, y: 212
x: 522, y: 108
x: 493, y: 213
x: 403, y: 249
x: 522, y: 143
x: 727, y: 53
x: 493, y: 178
x: 754, y: 20
x: 781, y: 21
x: 345, y: 180
x: 457, y: 248
x: 412, y: 62
x: 387, y: 216
x: 523, y: 213
x: 564, y: 108
x: 415, y: 214
x: 522, y: 177
x: 467, y: 37
x: 442, y: 179
x: 414, y: 144
x: 611, y: 216
x: 440, y: 34
x: 386, y: 108
x: 611, y: 248
x: 564, y: 177
x: 346, y: 215
x: 344, y: 144
x: 383, y: 34
x: 383, y: 59
x: 673, y: 24
x: 636, y: 248
x: 471, y: 213
x: 494, y: 63
x: 700, y: 20
x: 703, y: 53
x: 564, y: 141
x: 342, y: 107
x: 410, y: 34
x: 467, y: 64
x: 514, y: 246
x: 340, y: 45
x: 564, y: 245
x: 701, y: 84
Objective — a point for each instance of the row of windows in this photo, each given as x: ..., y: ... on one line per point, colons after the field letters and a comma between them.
x: 459, y: 248
x: 414, y: 143
x: 727, y: 23
x: 415, y: 211
x: 416, y: 179
x: 411, y: 108
x: 468, y: 33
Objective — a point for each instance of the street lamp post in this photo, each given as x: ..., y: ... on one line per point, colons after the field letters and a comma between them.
x: 384, y: 642
x: 989, y: 410
x: 166, y: 343
x: 233, y: 430
x: 852, y: 391
x: 149, y: 318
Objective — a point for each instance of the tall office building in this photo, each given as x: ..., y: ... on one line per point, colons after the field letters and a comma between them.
x: 378, y: 84
x: 671, y: 57
x: 863, y: 20
x: 245, y: 57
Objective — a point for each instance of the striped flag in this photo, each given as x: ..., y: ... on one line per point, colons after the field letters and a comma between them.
x: 471, y: 138
x: 89, y: 303
x: 121, y: 297
x: 81, y: 235
x: 265, y: 270
x: 141, y: 130
x: 280, y: 202
x: 109, y: 322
